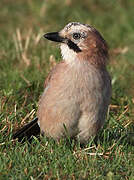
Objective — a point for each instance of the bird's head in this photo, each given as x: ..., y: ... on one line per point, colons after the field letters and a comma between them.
x: 82, y: 42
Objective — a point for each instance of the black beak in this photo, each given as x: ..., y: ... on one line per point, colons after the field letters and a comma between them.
x: 54, y: 36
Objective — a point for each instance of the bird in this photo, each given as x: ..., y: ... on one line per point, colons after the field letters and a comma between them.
x: 77, y: 91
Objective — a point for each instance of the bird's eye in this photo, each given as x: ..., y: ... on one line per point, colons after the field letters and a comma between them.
x: 76, y: 36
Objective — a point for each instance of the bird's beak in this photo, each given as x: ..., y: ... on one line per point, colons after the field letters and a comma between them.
x: 54, y: 36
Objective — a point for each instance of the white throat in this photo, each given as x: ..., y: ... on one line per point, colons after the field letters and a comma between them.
x: 68, y: 54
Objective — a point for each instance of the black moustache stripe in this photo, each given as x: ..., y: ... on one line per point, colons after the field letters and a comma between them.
x: 73, y: 46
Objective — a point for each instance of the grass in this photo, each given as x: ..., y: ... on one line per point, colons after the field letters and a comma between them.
x: 25, y: 60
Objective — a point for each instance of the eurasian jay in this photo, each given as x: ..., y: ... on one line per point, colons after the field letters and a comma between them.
x: 78, y: 89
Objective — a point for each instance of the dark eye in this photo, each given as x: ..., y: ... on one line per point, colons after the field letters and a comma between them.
x: 76, y: 36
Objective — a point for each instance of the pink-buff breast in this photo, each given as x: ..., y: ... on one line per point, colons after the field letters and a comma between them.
x: 75, y: 100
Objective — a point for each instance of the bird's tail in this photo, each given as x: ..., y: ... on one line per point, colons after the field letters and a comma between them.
x: 27, y: 131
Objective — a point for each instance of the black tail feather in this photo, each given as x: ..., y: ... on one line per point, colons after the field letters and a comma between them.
x: 29, y: 130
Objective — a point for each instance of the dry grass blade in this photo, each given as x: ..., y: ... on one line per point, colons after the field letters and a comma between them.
x: 38, y: 37
x: 95, y: 154
x: 3, y: 143
x: 3, y: 128
x: 26, y: 80
x: 19, y: 38
x: 28, y: 115
x: 128, y: 123
x: 52, y: 61
x: 16, y: 45
x: 27, y: 40
x: 124, y: 112
x: 86, y: 149
x: 21, y: 52
x: 112, y: 106
x: 120, y: 50
x: 25, y: 59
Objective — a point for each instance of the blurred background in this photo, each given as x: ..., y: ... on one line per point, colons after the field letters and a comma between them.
x: 24, y: 52
x: 25, y: 60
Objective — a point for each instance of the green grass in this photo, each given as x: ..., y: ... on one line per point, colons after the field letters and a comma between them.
x: 25, y: 60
